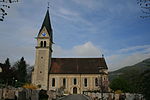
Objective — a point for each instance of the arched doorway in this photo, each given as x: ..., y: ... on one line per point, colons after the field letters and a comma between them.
x: 74, y: 90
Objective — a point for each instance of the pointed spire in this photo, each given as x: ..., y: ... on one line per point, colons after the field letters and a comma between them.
x: 48, y: 6
x: 102, y: 55
x: 47, y: 24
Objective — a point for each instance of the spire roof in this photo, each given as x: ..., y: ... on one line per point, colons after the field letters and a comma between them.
x: 47, y: 24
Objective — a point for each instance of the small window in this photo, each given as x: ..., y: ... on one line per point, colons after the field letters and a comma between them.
x: 96, y: 81
x: 64, y: 82
x: 53, y: 82
x: 85, y: 82
x: 104, y: 78
x: 41, y: 44
x: 75, y: 81
x: 44, y: 43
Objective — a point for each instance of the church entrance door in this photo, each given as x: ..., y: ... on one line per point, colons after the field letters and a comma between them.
x: 74, y: 90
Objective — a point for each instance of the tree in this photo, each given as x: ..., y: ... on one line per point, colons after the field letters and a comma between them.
x: 3, y: 5
x: 145, y: 83
x: 21, y: 67
x: 8, y: 74
x: 145, y: 7
x: 7, y: 63
x: 119, y: 84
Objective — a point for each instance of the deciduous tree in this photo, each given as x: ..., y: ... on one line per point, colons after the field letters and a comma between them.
x: 119, y: 84
x: 146, y: 84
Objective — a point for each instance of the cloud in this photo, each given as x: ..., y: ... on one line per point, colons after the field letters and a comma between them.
x: 72, y: 16
x: 91, y: 4
x: 87, y: 49
x: 68, y: 12
x: 134, y: 48
x: 82, y: 20
x: 114, y: 61
x: 124, y: 57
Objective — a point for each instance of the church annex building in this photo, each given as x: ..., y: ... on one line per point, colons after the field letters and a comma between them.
x: 75, y: 75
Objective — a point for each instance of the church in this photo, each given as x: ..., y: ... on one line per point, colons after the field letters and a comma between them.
x: 74, y: 75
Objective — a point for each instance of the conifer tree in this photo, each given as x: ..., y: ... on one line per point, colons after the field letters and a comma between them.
x: 7, y: 74
x: 22, y: 70
x: 7, y: 63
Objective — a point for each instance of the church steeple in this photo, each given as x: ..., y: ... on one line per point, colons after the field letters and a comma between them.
x: 43, y: 54
x: 47, y: 25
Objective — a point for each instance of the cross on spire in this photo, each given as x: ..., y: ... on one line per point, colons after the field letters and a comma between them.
x: 48, y: 5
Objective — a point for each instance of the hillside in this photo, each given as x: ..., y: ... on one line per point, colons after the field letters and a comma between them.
x: 131, y: 72
x: 133, y: 75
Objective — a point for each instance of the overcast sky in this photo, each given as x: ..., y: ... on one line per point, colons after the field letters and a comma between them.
x: 81, y: 28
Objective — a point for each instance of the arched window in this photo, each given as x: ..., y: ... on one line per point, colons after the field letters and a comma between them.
x: 41, y: 44
x: 53, y: 82
x: 44, y: 43
x: 96, y: 81
x: 85, y: 82
x: 64, y: 82
x: 75, y: 81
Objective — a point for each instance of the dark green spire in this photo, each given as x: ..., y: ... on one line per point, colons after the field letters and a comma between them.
x: 47, y: 24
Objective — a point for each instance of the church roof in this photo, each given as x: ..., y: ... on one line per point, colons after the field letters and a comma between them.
x: 47, y: 24
x: 77, y: 65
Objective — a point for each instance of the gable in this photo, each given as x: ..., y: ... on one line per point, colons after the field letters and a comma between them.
x: 43, y: 33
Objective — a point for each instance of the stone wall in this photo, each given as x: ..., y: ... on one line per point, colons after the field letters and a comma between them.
x: 112, y: 96
x: 1, y: 93
x: 25, y: 94
x: 7, y: 93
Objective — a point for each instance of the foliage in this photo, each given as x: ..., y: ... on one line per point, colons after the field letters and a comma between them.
x: 146, y: 84
x: 7, y: 63
x: 14, y: 76
x: 29, y: 86
x: 119, y: 84
x: 21, y: 67
x: 145, y: 8
x: 43, y: 95
x: 118, y: 91
x: 3, y: 5
x: 8, y: 73
x: 132, y: 74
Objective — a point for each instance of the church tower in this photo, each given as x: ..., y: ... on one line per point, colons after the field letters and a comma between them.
x: 43, y: 54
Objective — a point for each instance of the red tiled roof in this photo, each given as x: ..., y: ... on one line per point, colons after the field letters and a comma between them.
x: 77, y: 65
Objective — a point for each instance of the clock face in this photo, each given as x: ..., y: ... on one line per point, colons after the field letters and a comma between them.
x: 43, y: 34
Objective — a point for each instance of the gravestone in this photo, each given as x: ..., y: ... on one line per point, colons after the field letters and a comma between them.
x: 22, y: 95
x: 1, y: 93
x: 110, y: 97
x: 9, y: 94
x: 35, y: 95
x: 28, y: 93
x: 43, y: 95
x: 116, y: 96
x: 122, y: 96
x: 51, y: 95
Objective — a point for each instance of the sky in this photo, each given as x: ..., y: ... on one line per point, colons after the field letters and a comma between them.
x: 81, y: 28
